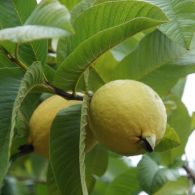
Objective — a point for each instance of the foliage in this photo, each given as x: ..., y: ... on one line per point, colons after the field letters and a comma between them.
x: 68, y: 46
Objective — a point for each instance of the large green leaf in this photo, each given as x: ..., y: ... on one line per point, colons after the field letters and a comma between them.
x: 157, y: 59
x: 124, y: 184
x: 96, y: 164
x: 151, y: 176
x: 4, y: 60
x: 9, y: 85
x: 95, y: 79
x: 33, y: 51
x: 26, y: 102
x: 43, y: 16
x: 96, y: 33
x: 182, y: 19
x: 52, y: 14
x: 14, y: 13
x: 64, y: 150
x: 33, y: 79
x: 179, y: 187
x: 51, y: 183
x: 29, y: 33
x: 169, y: 141
x: 99, y: 13
x: 41, y: 24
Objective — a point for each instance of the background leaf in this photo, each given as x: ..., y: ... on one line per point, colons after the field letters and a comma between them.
x: 179, y: 187
x: 169, y: 141
x: 96, y: 164
x: 153, y: 62
x: 9, y: 85
x: 69, y: 3
x: 182, y: 20
x: 124, y: 184
x: 151, y: 176
x: 183, y: 129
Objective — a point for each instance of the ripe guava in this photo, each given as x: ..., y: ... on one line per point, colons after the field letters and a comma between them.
x: 128, y: 117
x: 41, y: 121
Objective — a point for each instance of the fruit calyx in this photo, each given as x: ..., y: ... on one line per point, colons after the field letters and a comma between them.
x: 149, y: 142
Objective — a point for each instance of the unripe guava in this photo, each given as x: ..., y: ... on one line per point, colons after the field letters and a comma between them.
x: 128, y: 117
x: 41, y: 121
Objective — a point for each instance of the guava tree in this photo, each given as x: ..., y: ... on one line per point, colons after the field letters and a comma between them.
x: 71, y: 48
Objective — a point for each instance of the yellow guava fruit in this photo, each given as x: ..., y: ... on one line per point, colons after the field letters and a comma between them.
x: 128, y: 117
x: 41, y: 121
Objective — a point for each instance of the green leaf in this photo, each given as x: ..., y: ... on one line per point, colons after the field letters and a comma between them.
x: 41, y: 24
x: 96, y: 33
x: 157, y: 59
x: 126, y: 47
x: 151, y: 176
x: 14, y: 13
x: 181, y: 14
x: 69, y: 3
x: 4, y: 61
x: 119, y: 162
x: 14, y: 187
x: 65, y: 158
x: 124, y: 184
x: 51, y: 183
x: 29, y: 33
x: 9, y: 84
x: 27, y: 107
x: 96, y: 164
x: 180, y: 120
x: 33, y: 79
x: 178, y: 89
x: 179, y: 187
x: 34, y: 51
x: 44, y: 14
x: 96, y: 79
x: 169, y: 141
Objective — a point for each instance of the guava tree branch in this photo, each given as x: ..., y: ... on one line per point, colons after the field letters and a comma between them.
x: 66, y: 95
x: 13, y: 59
x: 190, y: 172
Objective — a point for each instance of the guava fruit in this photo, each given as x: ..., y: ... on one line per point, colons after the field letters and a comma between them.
x: 41, y: 121
x: 128, y: 117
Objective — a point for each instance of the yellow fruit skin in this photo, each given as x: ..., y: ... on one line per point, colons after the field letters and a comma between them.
x: 122, y: 112
x: 41, y: 121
